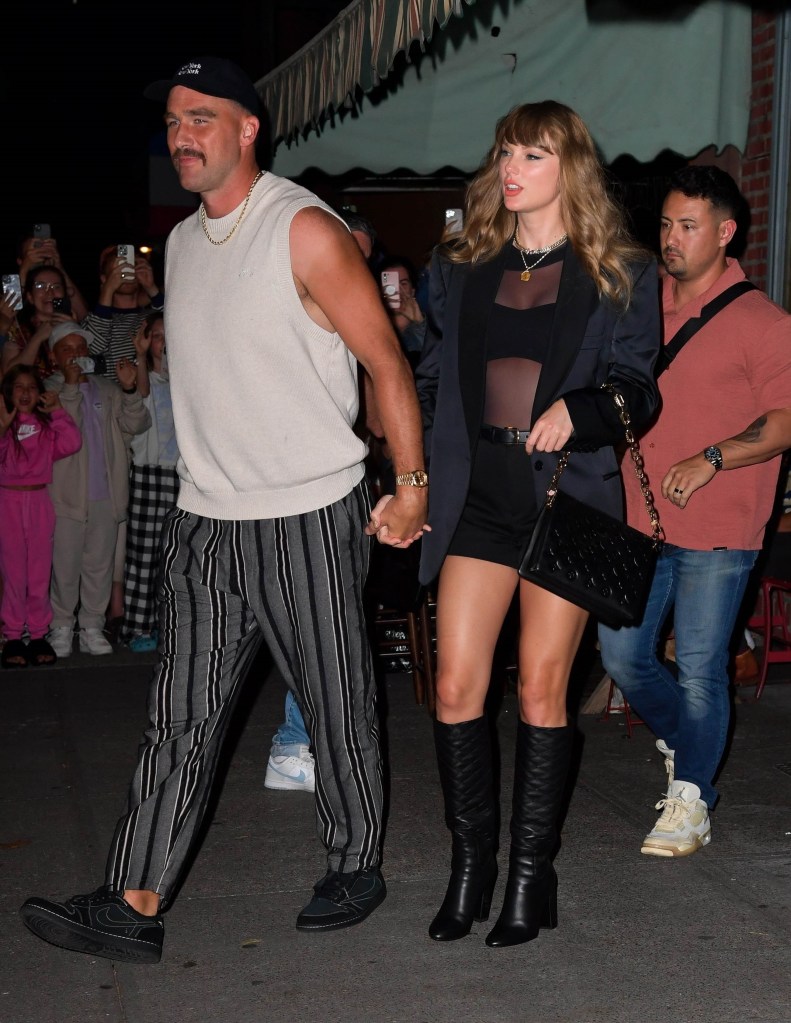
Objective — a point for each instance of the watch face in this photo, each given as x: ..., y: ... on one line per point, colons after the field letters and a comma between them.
x: 418, y: 478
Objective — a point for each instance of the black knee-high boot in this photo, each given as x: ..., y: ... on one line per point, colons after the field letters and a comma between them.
x: 464, y: 757
x: 530, y: 902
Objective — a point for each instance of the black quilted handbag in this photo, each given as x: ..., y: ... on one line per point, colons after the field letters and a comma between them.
x: 590, y: 558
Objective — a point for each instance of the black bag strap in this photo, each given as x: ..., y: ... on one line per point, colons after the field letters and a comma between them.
x: 693, y: 325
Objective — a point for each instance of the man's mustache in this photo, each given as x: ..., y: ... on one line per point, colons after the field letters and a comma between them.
x: 188, y: 152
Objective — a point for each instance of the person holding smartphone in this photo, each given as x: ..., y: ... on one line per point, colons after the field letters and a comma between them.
x: 45, y: 304
x: 126, y: 297
x: 43, y: 251
x: 407, y: 316
x: 90, y: 489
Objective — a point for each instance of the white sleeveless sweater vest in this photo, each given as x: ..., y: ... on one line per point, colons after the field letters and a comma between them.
x: 263, y: 399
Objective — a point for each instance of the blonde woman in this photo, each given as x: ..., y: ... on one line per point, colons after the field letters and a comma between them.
x: 541, y: 299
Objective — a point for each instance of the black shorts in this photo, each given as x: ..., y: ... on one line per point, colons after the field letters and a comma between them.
x: 501, y: 510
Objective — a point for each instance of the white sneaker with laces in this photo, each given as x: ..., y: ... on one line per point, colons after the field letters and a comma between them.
x: 292, y: 773
x: 93, y: 641
x: 669, y: 755
x: 61, y: 640
x: 684, y: 826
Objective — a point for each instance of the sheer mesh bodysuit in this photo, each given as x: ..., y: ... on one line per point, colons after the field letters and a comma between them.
x: 518, y: 338
x: 500, y: 510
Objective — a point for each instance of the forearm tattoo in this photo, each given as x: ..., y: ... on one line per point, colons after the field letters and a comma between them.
x: 753, y: 432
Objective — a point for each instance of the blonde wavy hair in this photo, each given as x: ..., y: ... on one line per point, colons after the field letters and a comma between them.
x: 596, y: 226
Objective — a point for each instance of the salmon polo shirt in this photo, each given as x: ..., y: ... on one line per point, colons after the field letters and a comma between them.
x: 734, y: 369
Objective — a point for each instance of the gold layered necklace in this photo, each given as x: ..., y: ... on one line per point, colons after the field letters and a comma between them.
x: 541, y: 253
x: 242, y: 212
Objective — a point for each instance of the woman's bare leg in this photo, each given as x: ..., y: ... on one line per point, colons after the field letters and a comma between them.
x: 550, y: 633
x: 472, y: 601
x: 549, y: 636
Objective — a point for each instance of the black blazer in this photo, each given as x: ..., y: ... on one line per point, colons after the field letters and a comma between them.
x: 592, y: 342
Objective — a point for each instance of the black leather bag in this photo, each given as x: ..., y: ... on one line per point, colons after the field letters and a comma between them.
x: 590, y: 558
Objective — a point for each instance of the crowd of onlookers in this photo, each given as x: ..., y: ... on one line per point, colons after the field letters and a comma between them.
x: 88, y: 449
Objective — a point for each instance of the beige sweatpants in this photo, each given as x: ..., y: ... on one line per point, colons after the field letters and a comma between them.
x: 82, y: 567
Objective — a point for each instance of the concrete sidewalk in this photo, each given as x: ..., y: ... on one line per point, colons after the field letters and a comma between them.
x: 641, y: 940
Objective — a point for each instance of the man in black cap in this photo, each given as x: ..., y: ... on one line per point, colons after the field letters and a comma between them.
x: 269, y: 540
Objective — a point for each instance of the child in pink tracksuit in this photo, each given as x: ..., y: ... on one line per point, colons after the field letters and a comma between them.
x: 34, y: 432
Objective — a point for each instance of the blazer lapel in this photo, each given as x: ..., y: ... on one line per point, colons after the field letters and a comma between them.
x: 577, y: 299
x: 480, y: 291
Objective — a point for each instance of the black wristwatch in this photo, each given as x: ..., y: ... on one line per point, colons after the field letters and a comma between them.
x: 129, y: 390
x: 714, y: 455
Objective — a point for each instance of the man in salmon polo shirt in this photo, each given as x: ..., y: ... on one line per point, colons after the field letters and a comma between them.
x: 714, y: 455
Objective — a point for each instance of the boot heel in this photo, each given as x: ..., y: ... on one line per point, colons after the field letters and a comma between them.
x: 549, y: 915
x: 482, y: 912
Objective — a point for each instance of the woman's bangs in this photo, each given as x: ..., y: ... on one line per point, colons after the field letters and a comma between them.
x: 526, y: 128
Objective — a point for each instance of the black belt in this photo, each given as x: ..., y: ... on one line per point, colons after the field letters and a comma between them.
x: 504, y: 434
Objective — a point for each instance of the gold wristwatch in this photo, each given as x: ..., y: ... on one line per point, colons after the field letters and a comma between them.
x: 417, y: 478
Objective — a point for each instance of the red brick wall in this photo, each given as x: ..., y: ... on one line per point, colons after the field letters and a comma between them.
x: 756, y: 160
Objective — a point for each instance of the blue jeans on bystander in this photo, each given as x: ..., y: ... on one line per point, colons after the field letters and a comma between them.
x: 292, y: 733
x: 704, y: 589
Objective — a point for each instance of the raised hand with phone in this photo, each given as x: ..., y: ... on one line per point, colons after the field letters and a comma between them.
x: 45, y: 301
x: 398, y: 291
x: 41, y: 249
x: 128, y: 293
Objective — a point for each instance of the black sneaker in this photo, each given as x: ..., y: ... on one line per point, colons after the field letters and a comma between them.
x: 100, y: 924
x: 342, y: 900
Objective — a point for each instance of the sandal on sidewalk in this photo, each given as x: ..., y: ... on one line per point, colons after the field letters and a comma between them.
x: 14, y: 654
x: 40, y: 654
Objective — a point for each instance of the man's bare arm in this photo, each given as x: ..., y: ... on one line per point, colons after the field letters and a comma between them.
x: 767, y: 436
x: 339, y: 294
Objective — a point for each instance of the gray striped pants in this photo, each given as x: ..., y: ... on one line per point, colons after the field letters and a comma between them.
x: 295, y: 583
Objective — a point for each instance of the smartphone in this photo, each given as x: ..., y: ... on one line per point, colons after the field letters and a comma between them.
x: 454, y: 220
x: 127, y: 253
x: 61, y: 305
x: 12, y: 290
x: 40, y: 233
x: 391, y: 288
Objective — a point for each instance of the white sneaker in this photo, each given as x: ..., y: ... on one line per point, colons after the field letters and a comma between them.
x: 61, y: 640
x: 684, y: 826
x: 292, y: 773
x: 93, y: 641
x: 669, y: 755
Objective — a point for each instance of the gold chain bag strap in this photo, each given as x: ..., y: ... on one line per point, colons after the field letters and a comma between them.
x: 590, y: 558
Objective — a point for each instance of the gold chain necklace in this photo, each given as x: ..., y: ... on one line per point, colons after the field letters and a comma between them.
x: 541, y: 253
x: 230, y: 234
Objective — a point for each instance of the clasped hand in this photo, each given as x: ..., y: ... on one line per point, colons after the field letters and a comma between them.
x: 397, y: 521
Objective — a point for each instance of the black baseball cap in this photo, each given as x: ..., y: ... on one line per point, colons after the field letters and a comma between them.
x: 213, y: 76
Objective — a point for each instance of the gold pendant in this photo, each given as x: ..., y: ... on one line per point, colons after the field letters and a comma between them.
x: 524, y: 275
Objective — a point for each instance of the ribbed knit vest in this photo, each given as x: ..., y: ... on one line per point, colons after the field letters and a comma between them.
x: 263, y: 399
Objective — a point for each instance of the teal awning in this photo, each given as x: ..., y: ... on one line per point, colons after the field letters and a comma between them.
x: 678, y: 78
x: 355, y: 51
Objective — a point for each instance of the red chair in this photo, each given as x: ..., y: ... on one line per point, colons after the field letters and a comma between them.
x: 772, y: 624
x: 630, y: 717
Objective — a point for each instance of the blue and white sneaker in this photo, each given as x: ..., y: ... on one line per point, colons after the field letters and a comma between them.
x: 291, y: 773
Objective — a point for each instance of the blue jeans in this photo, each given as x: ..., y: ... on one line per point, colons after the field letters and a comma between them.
x: 292, y: 732
x: 704, y: 589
